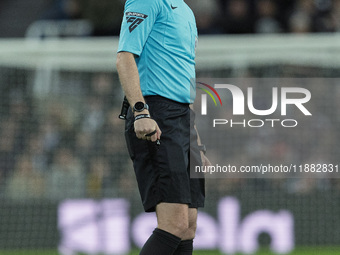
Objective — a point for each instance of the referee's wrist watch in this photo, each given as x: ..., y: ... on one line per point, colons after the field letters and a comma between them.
x: 140, y: 106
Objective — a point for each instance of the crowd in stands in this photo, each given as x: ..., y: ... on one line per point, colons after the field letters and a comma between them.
x: 64, y: 145
x: 215, y: 16
x: 266, y: 16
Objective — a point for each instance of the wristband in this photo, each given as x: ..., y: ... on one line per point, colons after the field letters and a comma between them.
x: 142, y: 116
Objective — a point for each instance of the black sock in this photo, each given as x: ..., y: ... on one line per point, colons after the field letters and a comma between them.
x: 184, y: 248
x: 160, y: 243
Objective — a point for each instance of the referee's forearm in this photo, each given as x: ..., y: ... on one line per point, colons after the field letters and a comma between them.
x: 129, y: 77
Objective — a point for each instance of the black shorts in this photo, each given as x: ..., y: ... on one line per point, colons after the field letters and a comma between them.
x: 162, y: 171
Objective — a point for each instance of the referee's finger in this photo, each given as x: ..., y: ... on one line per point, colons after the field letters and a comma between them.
x: 157, y: 135
x: 153, y: 136
x: 140, y: 135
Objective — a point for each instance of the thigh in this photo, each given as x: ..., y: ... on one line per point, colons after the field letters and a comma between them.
x: 177, y: 219
x: 172, y: 217
x: 192, y: 215
x: 192, y: 220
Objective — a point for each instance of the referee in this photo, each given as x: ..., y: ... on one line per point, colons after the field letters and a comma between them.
x: 156, y: 66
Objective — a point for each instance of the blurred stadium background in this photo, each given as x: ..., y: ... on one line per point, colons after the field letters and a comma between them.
x: 66, y: 181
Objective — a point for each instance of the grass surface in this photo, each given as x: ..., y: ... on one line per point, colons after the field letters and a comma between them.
x: 298, y: 251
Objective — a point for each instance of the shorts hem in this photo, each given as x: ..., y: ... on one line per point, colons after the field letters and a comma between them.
x: 152, y: 206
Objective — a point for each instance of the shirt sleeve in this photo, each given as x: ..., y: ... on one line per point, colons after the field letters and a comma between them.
x: 138, y: 21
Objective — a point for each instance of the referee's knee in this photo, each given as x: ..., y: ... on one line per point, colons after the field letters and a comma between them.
x: 181, y: 229
x: 177, y: 227
x: 191, y: 232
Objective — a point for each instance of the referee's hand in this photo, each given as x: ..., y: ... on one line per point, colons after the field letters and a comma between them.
x: 205, y: 160
x: 146, y: 126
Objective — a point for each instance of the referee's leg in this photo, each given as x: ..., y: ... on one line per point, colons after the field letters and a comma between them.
x: 186, y: 245
x: 175, y: 231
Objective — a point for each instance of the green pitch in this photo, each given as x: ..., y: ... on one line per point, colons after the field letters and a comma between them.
x: 298, y: 251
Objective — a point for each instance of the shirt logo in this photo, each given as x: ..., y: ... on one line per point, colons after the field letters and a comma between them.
x: 135, y: 18
x: 173, y: 7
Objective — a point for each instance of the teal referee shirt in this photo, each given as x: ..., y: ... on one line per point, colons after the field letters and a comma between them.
x: 163, y: 35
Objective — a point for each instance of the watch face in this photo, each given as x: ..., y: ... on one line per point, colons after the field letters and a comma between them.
x: 139, y: 106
